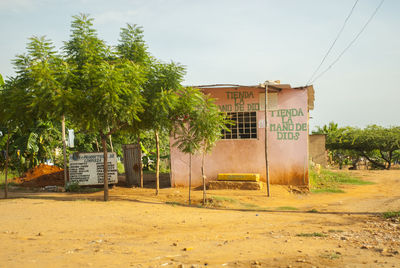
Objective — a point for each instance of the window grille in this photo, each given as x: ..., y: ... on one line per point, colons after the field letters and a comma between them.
x: 244, y: 126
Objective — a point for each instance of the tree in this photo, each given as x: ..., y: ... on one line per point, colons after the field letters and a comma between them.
x: 161, y: 95
x: 48, y: 76
x: 132, y: 45
x: 105, y: 88
x: 375, y: 143
x: 379, y: 142
x: 159, y: 91
x: 208, y: 123
x: 15, y: 114
x: 326, y: 129
x: 339, y: 142
x: 4, y: 118
x: 200, y: 128
x: 184, y: 130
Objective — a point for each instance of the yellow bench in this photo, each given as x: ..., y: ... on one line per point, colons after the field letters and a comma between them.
x: 238, y: 177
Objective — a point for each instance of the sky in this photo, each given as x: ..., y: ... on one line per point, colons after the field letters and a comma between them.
x: 244, y: 42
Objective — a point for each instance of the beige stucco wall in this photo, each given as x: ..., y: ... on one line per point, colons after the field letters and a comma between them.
x: 287, y: 152
x: 317, y: 149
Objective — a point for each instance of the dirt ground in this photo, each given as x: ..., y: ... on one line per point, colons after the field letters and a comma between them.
x: 239, y: 229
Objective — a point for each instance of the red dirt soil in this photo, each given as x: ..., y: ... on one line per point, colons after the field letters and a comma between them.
x: 42, y: 175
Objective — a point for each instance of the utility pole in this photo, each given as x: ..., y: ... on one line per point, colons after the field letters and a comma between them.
x: 266, y: 137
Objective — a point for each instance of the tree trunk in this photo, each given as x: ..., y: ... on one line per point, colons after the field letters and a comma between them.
x: 97, y: 145
x: 64, y: 149
x: 386, y: 159
x: 390, y: 160
x: 6, y: 169
x: 140, y: 161
x: 103, y: 142
x: 190, y: 176
x: 111, y: 145
x: 373, y: 161
x: 157, y: 162
x: 204, y: 179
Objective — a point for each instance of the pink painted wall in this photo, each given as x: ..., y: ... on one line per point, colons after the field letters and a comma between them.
x: 287, y: 152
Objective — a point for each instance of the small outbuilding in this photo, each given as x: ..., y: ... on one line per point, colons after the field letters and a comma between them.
x: 242, y: 149
x: 317, y: 149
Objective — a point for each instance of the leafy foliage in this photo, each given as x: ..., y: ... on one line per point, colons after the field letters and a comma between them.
x: 379, y: 145
x: 199, y: 126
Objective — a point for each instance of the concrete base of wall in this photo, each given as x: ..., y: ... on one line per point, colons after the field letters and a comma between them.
x: 236, y: 185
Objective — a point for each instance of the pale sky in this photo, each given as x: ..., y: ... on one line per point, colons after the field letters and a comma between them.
x: 244, y: 42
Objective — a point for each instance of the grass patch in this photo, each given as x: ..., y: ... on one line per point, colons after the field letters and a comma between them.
x: 286, y: 208
x: 249, y: 205
x: 391, y: 214
x: 219, y: 200
x: 327, y: 190
x: 223, y: 199
x: 311, y: 234
x: 329, y: 181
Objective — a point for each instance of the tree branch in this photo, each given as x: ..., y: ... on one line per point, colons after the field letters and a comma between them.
x: 373, y: 161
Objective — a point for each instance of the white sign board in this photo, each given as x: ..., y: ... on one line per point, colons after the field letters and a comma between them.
x: 87, y: 168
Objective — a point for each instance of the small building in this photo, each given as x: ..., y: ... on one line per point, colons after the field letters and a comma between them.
x: 242, y: 150
x: 317, y: 149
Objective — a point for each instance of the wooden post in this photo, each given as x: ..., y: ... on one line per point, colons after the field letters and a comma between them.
x: 190, y: 176
x: 204, y: 179
x: 64, y: 149
x: 140, y: 161
x: 157, y: 162
x: 266, y: 139
x: 105, y: 153
x: 6, y: 168
x: 128, y: 164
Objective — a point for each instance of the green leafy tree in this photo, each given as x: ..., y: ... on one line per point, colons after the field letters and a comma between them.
x: 375, y: 143
x: 15, y: 112
x: 209, y: 123
x: 185, y: 136
x: 132, y: 46
x: 106, y: 88
x: 379, y: 142
x: 200, y: 127
x: 326, y: 129
x: 47, y: 75
x: 339, y: 142
x: 160, y: 92
x: 160, y: 89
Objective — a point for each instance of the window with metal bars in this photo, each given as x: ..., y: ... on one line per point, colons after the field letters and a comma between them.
x: 244, y: 126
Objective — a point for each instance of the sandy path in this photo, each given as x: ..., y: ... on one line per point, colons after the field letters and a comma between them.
x: 139, y: 230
